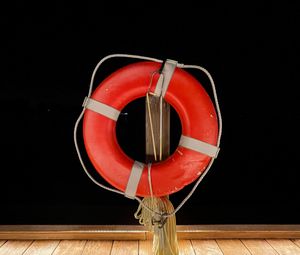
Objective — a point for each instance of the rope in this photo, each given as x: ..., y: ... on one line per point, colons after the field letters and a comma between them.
x: 151, y: 126
x: 160, y: 127
x: 164, y: 238
x: 120, y: 192
x: 219, y: 135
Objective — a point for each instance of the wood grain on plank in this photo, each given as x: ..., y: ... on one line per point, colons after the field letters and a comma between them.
x: 125, y: 248
x: 232, y: 247
x: 284, y: 246
x: 70, y: 247
x: 206, y: 247
x: 97, y: 247
x: 259, y: 247
x: 42, y: 247
x: 145, y: 247
x: 14, y: 247
x: 185, y: 247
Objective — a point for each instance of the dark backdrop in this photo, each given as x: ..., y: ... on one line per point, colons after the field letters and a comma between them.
x: 48, y: 56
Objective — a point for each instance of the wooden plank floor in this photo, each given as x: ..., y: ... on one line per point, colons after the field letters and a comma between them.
x: 187, y: 247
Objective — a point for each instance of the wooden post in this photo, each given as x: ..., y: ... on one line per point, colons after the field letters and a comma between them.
x: 165, y: 238
x: 155, y: 110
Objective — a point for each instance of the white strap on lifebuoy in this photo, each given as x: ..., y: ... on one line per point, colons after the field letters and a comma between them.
x: 199, y: 146
x: 134, y: 179
x: 165, y: 78
x: 101, y: 108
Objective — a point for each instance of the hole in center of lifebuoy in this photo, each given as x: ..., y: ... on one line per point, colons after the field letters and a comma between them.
x: 132, y: 135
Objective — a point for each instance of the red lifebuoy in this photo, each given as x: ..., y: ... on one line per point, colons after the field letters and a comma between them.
x: 198, y: 120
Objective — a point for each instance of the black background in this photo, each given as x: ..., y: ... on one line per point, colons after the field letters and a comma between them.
x: 47, y: 59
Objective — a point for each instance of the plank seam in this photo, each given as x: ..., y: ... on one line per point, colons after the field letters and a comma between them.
x: 3, y: 243
x: 294, y: 241
x: 28, y: 247
x: 55, y: 247
x: 111, y: 247
x: 218, y: 246
x: 273, y: 247
x: 193, y: 247
x: 245, y: 246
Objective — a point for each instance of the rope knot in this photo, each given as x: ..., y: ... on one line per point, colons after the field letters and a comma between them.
x: 159, y: 220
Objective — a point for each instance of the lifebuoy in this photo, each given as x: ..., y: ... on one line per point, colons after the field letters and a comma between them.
x: 198, y: 119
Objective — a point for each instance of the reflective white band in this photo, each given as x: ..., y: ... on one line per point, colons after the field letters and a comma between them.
x: 101, y: 108
x: 134, y: 179
x: 199, y: 146
x: 165, y: 78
